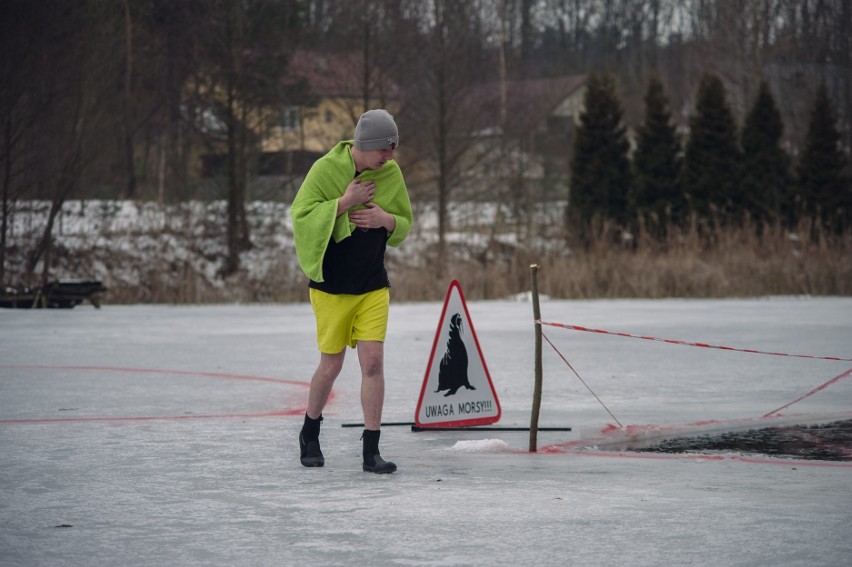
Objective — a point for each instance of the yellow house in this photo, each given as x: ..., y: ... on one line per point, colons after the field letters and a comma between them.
x: 335, y: 89
x: 342, y: 86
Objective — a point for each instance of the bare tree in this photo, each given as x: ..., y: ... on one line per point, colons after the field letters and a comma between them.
x: 76, y: 68
x: 127, y: 112
x: 20, y: 105
x: 451, y: 60
x: 246, y: 48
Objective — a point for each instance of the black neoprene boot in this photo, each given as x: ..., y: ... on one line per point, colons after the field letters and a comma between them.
x: 310, y: 453
x: 373, y: 461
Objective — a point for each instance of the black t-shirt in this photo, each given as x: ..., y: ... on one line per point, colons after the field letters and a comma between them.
x: 355, y: 265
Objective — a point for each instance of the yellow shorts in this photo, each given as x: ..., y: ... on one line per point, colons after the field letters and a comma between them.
x: 346, y: 319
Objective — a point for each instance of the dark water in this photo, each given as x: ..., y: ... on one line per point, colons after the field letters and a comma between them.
x: 826, y: 442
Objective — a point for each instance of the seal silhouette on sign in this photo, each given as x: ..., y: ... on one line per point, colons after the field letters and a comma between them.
x: 452, y: 373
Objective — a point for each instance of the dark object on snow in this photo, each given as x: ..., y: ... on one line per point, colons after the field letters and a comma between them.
x: 825, y: 442
x: 54, y: 295
x: 452, y: 373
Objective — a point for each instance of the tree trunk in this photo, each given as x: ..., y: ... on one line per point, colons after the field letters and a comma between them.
x: 443, y: 185
x: 234, y: 192
x: 7, y: 183
x: 127, y: 121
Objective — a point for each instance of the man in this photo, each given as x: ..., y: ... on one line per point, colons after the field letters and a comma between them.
x: 352, y: 204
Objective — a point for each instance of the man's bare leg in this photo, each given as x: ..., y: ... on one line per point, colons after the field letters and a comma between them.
x: 371, y: 358
x: 323, y: 381
x: 321, y: 384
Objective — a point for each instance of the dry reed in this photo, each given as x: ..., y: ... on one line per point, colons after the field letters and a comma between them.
x: 695, y: 262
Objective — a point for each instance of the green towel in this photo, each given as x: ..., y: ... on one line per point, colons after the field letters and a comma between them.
x: 314, y: 210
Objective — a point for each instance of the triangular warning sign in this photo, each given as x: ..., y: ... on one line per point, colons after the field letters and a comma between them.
x: 457, y: 389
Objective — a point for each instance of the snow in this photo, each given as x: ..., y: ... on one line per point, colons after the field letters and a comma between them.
x: 134, y: 245
x: 166, y: 435
x: 481, y: 446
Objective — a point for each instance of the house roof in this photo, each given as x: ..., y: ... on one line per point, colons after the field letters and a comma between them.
x: 340, y: 75
x: 528, y: 103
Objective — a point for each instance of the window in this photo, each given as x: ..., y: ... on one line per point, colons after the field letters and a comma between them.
x: 289, y: 118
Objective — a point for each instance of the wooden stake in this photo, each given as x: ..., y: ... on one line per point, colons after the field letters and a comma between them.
x: 536, y: 405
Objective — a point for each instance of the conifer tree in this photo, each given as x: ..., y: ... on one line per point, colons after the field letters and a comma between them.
x: 600, y: 168
x: 712, y: 155
x: 822, y: 189
x: 657, y: 196
x: 765, y: 168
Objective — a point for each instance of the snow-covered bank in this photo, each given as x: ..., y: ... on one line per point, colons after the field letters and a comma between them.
x: 148, y: 253
x: 172, y: 253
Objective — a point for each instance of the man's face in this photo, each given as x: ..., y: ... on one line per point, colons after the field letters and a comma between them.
x: 375, y: 159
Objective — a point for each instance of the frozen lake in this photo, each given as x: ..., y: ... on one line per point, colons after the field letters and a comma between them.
x: 165, y: 435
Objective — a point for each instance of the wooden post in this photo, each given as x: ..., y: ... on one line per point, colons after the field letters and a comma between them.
x: 536, y: 405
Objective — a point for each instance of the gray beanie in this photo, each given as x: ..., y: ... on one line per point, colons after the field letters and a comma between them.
x: 376, y: 130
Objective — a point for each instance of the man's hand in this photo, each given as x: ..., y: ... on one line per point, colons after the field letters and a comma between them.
x: 357, y: 193
x: 372, y: 217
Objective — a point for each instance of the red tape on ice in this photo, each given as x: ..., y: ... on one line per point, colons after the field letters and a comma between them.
x: 686, y: 343
x: 297, y: 410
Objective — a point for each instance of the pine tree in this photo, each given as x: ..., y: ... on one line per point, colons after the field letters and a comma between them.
x: 765, y: 168
x: 600, y: 168
x: 822, y: 189
x: 657, y: 197
x: 712, y: 156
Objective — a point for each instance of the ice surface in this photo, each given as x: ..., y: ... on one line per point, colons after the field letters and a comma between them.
x: 167, y: 436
